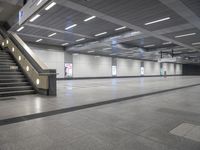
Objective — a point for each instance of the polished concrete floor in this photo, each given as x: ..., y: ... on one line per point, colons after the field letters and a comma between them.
x: 144, y: 123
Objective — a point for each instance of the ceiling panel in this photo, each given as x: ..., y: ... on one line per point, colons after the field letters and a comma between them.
x: 193, y: 5
x: 188, y: 39
x: 136, y: 12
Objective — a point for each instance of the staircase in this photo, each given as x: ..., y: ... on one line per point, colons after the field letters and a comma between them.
x: 12, y: 80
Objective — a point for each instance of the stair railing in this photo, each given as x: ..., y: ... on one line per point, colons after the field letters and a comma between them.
x: 42, y: 78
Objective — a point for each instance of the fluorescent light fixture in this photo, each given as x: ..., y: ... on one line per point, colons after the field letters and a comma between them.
x: 51, y: 34
x: 184, y: 35
x: 121, y: 28
x: 75, y: 54
x: 152, y: 45
x: 82, y: 39
x: 108, y: 48
x: 91, y: 51
x: 198, y: 43
x: 35, y: 17
x: 64, y: 44
x: 135, y: 33
x: 50, y: 6
x: 166, y: 43
x: 72, y: 26
x: 39, y: 2
x: 113, y: 54
x: 21, y: 28
x: 101, y: 34
x: 39, y: 40
x: 90, y: 18
x: 156, y: 21
x: 96, y: 56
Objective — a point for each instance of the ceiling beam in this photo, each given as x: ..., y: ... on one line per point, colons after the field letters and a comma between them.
x: 181, y: 9
x: 92, y: 12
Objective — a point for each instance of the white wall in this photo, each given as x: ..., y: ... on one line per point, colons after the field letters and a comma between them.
x: 178, y: 69
x: 151, y: 68
x: 53, y: 58
x: 91, y: 66
x: 128, y: 67
x: 169, y: 68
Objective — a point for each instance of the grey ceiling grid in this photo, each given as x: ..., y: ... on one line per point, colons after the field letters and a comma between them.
x: 112, y: 14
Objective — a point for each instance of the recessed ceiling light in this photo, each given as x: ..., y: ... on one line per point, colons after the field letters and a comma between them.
x: 64, y: 44
x: 21, y: 28
x: 184, y: 35
x: 50, y: 6
x: 51, y: 34
x: 91, y: 51
x: 82, y: 39
x: 90, y: 18
x: 35, y: 17
x: 72, y: 26
x: 99, y: 34
x: 166, y: 43
x: 198, y: 43
x: 152, y: 45
x: 39, y: 2
x: 39, y: 40
x: 121, y: 28
x: 156, y: 21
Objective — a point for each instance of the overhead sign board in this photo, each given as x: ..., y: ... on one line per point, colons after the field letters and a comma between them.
x: 30, y: 8
x: 162, y: 60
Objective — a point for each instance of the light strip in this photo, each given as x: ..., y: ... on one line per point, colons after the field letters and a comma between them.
x: 156, y: 21
x: 90, y: 51
x: 64, y: 44
x: 146, y: 46
x: 166, y: 43
x: 90, y: 18
x: 35, y: 17
x: 50, y: 6
x: 72, y: 26
x: 21, y: 28
x: 198, y: 43
x: 184, y: 35
x: 121, y: 28
x: 39, y: 40
x: 107, y: 49
x: 101, y: 34
x: 80, y: 40
x: 51, y: 34
x: 39, y: 2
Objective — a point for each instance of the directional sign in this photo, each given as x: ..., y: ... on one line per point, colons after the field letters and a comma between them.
x: 30, y: 8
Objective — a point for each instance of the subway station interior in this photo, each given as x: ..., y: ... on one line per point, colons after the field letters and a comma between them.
x: 99, y: 74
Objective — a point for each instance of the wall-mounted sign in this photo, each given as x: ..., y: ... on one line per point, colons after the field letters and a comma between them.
x: 114, y: 70
x: 68, y: 70
x: 30, y: 8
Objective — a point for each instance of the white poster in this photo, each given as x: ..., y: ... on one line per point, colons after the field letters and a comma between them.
x: 142, y: 71
x: 68, y: 70
x: 114, y: 70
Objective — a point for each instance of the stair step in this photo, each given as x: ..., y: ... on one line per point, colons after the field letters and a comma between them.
x: 13, y: 80
x: 9, y: 70
x: 10, y: 73
x: 7, y: 63
x: 15, y: 88
x: 11, y: 76
x: 15, y: 93
x: 13, y: 84
x: 6, y: 60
